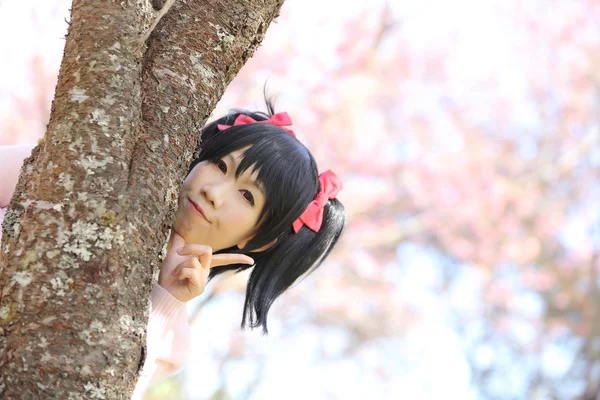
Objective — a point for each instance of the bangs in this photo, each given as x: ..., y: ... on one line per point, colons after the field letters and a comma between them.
x: 286, y: 172
x: 276, y: 174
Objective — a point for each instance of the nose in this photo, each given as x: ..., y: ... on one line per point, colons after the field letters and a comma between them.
x: 215, y: 193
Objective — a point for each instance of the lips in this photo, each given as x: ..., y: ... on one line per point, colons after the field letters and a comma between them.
x: 196, y: 208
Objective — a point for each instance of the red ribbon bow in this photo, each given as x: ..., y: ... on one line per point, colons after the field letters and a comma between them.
x: 330, y: 185
x: 281, y: 120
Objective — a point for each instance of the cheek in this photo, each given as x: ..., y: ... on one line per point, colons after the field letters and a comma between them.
x: 198, y: 173
x: 241, y: 221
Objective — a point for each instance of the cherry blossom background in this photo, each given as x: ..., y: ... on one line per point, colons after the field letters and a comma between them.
x: 468, y: 137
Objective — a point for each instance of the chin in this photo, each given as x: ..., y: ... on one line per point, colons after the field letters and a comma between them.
x: 181, y: 228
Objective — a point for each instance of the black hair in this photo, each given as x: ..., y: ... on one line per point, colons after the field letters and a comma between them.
x: 288, y: 173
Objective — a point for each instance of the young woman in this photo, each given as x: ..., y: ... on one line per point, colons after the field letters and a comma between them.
x: 252, y: 199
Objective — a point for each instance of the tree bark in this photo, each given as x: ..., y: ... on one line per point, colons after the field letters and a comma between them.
x: 83, y: 233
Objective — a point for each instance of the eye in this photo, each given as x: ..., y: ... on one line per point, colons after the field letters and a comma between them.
x: 220, y: 164
x: 248, y: 196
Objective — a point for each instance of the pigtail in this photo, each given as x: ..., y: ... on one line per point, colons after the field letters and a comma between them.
x: 294, y: 255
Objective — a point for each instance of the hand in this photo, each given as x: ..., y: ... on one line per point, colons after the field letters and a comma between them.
x: 184, y: 272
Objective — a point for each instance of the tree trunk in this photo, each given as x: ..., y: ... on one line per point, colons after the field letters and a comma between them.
x: 84, y: 230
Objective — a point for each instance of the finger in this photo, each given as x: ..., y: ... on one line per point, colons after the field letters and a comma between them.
x: 193, y: 275
x: 202, y: 252
x: 194, y: 249
x: 189, y: 262
x: 228, y: 258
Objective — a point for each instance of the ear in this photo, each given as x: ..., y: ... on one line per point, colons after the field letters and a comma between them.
x: 265, y: 247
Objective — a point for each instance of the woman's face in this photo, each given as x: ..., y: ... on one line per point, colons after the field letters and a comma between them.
x: 215, y: 208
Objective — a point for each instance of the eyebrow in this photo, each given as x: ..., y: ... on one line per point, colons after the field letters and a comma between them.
x: 235, y: 162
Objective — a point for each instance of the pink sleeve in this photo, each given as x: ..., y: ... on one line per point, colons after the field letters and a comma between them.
x: 167, y: 340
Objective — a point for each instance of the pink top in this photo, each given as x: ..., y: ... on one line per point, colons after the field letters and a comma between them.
x: 167, y: 337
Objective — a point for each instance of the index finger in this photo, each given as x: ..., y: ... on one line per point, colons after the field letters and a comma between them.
x: 229, y: 258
